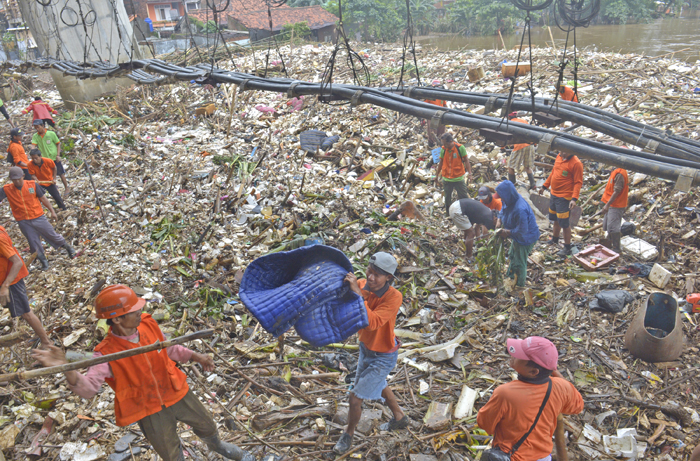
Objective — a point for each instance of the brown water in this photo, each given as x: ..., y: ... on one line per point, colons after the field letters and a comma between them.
x: 680, y: 36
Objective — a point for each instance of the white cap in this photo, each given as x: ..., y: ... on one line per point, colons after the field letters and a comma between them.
x: 384, y: 261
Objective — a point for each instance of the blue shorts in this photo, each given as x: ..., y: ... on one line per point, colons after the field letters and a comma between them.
x: 59, y: 169
x: 372, y: 371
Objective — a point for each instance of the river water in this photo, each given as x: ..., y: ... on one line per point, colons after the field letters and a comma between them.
x: 674, y: 35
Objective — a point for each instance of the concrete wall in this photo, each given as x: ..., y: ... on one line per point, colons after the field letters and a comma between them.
x: 60, y: 32
x: 168, y: 46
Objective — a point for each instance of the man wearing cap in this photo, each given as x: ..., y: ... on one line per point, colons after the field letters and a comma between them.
x: 13, y: 292
x: 519, y: 224
x: 16, y: 153
x: 513, y: 407
x: 470, y: 216
x: 50, y: 146
x: 149, y: 389
x: 379, y: 347
x: 615, y: 200
x: 565, y: 181
x: 488, y: 197
x: 454, y: 163
x: 43, y: 171
x: 26, y: 198
x: 522, y: 157
x: 434, y: 135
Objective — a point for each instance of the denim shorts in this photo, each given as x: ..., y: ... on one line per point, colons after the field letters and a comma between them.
x: 372, y: 371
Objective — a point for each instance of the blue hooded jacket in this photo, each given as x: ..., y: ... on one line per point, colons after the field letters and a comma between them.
x: 517, y: 216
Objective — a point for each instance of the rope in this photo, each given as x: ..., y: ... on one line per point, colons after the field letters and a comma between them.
x: 408, y: 38
x: 506, y: 108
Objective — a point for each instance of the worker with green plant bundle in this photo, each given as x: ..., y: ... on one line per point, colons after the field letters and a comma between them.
x: 519, y: 224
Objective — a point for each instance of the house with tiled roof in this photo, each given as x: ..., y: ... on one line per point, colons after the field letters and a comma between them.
x: 257, y: 23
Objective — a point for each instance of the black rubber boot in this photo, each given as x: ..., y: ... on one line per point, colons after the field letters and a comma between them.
x: 70, y: 250
x: 531, y: 178
x: 564, y: 252
x: 44, y: 263
x: 227, y: 450
x: 511, y: 178
x: 552, y: 241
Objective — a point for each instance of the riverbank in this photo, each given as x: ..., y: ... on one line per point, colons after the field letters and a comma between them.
x: 672, y: 35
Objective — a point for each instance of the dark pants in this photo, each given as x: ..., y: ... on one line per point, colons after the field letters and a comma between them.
x: 4, y: 112
x: 27, y: 175
x: 53, y: 190
x: 161, y: 428
x: 59, y: 168
x: 459, y: 186
x: 50, y: 122
x: 35, y: 229
x: 517, y: 268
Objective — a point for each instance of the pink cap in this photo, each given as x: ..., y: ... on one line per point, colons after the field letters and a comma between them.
x: 539, y: 350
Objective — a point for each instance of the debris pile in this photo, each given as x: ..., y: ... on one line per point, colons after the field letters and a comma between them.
x: 195, y: 181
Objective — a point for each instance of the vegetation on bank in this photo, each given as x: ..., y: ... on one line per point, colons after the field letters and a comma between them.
x: 385, y: 20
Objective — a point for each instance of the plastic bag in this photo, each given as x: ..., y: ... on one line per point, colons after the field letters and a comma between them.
x: 613, y: 301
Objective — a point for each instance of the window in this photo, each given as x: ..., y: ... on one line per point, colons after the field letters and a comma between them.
x: 162, y: 13
x: 192, y: 6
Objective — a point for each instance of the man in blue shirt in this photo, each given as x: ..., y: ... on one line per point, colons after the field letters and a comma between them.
x: 519, y: 224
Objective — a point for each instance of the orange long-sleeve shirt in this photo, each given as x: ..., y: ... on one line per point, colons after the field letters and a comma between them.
x: 512, y: 409
x: 566, y: 178
x: 381, y: 313
x: 18, y: 154
x: 496, y: 204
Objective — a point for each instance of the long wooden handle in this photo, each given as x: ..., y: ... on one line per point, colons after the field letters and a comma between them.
x: 20, y: 375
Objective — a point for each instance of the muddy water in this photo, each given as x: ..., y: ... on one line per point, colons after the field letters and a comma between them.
x: 681, y: 35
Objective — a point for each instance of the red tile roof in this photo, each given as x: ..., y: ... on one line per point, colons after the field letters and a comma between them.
x: 315, y: 16
x: 234, y: 7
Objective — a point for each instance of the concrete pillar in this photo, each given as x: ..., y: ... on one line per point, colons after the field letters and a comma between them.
x: 82, y: 30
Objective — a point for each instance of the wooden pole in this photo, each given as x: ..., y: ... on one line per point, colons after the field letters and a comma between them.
x: 502, y: 41
x: 554, y: 47
x: 21, y: 375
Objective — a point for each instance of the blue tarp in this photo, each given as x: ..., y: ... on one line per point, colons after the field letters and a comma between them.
x: 304, y: 288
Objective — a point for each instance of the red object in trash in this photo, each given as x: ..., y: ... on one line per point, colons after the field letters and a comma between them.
x: 694, y: 300
x: 595, y: 257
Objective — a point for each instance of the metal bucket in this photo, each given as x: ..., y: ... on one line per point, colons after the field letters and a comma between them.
x: 659, y: 315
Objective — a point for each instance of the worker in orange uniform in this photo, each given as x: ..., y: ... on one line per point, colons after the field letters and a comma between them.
x: 454, y: 163
x: 490, y: 198
x: 565, y: 182
x: 523, y: 414
x: 522, y: 157
x: 379, y: 347
x: 615, y: 200
x: 13, y: 292
x: 43, y: 171
x: 567, y: 94
x: 26, y: 198
x: 41, y: 111
x: 16, y: 154
x: 149, y: 388
x: 433, y: 136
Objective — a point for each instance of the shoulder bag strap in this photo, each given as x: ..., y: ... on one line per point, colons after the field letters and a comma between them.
x: 537, y: 418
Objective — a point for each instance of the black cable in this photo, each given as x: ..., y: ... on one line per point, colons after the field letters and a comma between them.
x: 408, y: 39
x: 572, y: 11
x: 515, y: 76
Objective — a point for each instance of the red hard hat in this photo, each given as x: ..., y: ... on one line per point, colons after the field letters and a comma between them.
x: 117, y: 300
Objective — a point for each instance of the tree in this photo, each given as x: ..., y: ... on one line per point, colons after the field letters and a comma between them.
x: 484, y: 17
x: 621, y: 11
x: 377, y: 20
x: 301, y: 30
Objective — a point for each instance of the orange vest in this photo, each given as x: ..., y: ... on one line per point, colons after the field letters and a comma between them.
x: 23, y: 202
x: 452, y: 166
x: 569, y: 95
x: 517, y: 147
x: 5, y: 264
x: 437, y: 102
x: 621, y: 200
x: 145, y: 383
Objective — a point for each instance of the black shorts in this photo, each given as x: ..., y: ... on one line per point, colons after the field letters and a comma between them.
x: 48, y: 121
x: 19, y: 303
x: 559, y: 211
x: 59, y: 169
x: 27, y: 175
